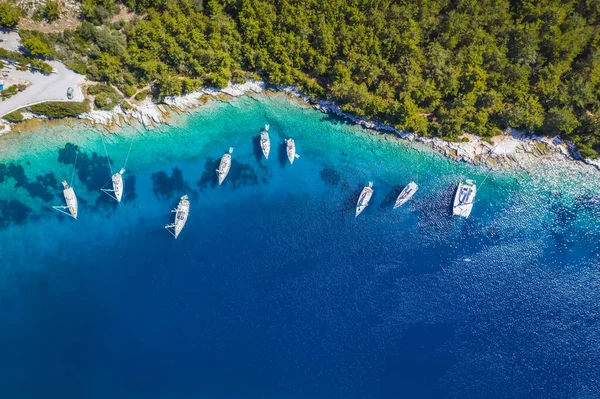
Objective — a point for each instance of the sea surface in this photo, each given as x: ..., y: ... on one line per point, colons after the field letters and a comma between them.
x: 274, y: 289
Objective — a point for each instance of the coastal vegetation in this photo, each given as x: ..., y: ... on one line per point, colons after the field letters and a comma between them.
x: 105, y: 96
x: 15, y: 116
x: 141, y: 96
x: 51, y: 11
x: 25, y: 61
x: 59, y: 109
x: 11, y: 90
x: 436, y: 67
x: 9, y: 15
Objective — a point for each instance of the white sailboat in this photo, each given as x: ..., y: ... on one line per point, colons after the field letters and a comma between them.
x: 364, y: 198
x: 224, y: 166
x: 406, y: 194
x: 265, y: 141
x: 71, y: 200
x: 181, y: 215
x: 116, y: 180
x: 290, y: 149
x: 117, y: 186
x: 464, y: 198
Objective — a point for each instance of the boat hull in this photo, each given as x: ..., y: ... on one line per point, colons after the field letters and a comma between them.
x: 291, y: 150
x: 71, y: 200
x: 265, y: 144
x: 464, y: 199
x: 363, y: 200
x: 406, y: 194
x: 224, y: 167
x: 181, y: 215
x: 117, y: 182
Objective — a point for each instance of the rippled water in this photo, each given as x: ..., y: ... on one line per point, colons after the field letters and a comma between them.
x: 274, y: 289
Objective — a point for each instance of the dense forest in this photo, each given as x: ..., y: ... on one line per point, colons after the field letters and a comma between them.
x: 437, y: 67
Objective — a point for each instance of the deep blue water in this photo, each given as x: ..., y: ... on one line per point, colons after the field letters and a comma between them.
x: 274, y: 289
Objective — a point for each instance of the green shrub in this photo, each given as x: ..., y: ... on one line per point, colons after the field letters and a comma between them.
x: 36, y: 47
x: 14, y: 56
x: 106, y: 97
x: 586, y: 151
x: 129, y: 90
x: 78, y: 66
x: 10, y: 90
x: 41, y: 66
x: 57, y: 109
x: 104, y: 101
x: 141, y: 96
x: 126, y: 106
x: 51, y: 11
x: 239, y: 77
x: 15, y: 116
x: 9, y: 15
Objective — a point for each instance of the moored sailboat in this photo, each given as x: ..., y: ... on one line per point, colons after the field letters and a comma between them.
x: 406, y: 194
x: 464, y: 198
x: 224, y: 166
x: 364, y: 198
x: 181, y: 215
x: 290, y: 149
x: 265, y: 142
x: 71, y: 201
x: 117, y: 186
x: 116, y: 179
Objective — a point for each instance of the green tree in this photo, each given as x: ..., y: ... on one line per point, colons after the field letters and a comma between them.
x: 9, y: 15
x: 51, y: 10
x: 560, y: 121
x: 436, y: 66
x: 36, y: 47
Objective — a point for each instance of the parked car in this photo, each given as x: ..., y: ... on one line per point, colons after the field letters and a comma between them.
x: 70, y: 93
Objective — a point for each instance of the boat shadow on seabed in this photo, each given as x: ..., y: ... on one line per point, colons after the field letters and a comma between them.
x: 282, y: 154
x: 390, y: 199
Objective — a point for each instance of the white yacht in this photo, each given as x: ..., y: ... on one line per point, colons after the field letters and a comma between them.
x: 181, y: 215
x: 464, y: 198
x: 117, y: 183
x: 70, y: 199
x: 364, y: 198
x: 291, y: 150
x: 265, y: 141
x: 224, y: 166
x: 406, y: 194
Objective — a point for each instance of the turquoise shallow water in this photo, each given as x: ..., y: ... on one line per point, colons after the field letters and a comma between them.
x: 274, y: 289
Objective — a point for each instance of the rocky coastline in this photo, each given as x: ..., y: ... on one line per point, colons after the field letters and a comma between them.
x: 510, y: 150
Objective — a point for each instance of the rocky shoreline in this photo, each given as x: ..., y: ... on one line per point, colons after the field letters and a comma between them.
x: 510, y: 150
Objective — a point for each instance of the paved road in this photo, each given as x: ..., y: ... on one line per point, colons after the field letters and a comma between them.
x: 52, y: 87
x: 10, y: 40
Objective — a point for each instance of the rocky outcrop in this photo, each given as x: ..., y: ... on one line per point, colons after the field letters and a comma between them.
x: 150, y: 114
x: 4, y: 128
x: 512, y: 149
